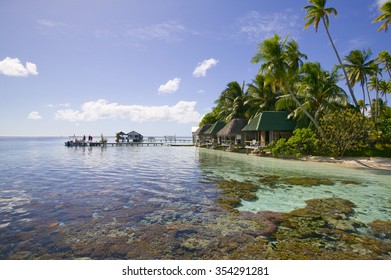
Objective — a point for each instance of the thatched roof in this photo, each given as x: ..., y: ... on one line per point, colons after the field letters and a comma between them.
x: 271, y: 120
x: 201, y: 130
x: 233, y: 128
x: 216, y: 127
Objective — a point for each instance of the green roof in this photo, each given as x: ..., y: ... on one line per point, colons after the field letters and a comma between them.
x: 216, y: 127
x: 270, y: 121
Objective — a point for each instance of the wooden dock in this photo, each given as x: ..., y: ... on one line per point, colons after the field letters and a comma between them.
x: 125, y: 144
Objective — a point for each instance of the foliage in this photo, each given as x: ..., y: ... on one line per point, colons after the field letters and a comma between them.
x: 260, y: 96
x: 231, y: 103
x: 384, y: 127
x: 303, y: 142
x: 210, y: 118
x: 319, y: 90
x: 386, y: 16
x: 281, y: 63
x: 358, y: 67
x: 345, y: 130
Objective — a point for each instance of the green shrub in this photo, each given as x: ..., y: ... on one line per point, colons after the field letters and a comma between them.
x: 346, y: 131
x: 303, y: 142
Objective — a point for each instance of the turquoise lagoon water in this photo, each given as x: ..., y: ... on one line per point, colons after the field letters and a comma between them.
x: 81, y: 202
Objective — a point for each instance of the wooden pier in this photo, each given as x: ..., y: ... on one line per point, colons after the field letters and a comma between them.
x: 126, y: 144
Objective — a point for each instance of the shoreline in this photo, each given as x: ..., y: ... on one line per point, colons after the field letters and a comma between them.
x: 374, y: 163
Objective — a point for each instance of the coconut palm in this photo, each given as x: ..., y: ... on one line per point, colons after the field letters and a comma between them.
x: 319, y: 90
x: 384, y: 58
x: 359, y: 66
x: 261, y: 96
x: 373, y: 84
x: 384, y: 88
x: 316, y: 13
x: 386, y: 16
x: 231, y: 103
x: 280, y: 65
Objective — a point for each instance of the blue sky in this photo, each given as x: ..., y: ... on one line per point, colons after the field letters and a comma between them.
x: 90, y: 67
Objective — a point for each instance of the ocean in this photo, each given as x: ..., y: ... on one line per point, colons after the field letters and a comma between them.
x: 166, y: 202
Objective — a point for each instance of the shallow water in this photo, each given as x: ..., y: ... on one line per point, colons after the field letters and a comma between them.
x: 151, y: 202
x: 369, y: 190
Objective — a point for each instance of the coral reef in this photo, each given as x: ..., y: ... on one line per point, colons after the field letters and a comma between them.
x: 233, y: 191
x: 381, y: 229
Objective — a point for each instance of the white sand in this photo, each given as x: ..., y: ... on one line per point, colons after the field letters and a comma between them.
x: 370, y: 163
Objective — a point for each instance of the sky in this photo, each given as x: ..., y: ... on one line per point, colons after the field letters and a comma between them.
x: 90, y: 67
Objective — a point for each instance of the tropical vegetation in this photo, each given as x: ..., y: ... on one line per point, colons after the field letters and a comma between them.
x: 330, y: 121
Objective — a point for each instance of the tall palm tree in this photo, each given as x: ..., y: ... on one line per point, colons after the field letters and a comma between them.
x: 315, y: 14
x: 386, y: 16
x: 280, y: 65
x: 359, y: 66
x: 261, y: 96
x: 384, y: 58
x: 384, y: 88
x: 231, y: 103
x: 319, y: 90
x: 373, y: 84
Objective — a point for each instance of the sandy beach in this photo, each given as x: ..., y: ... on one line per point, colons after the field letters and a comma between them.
x: 364, y: 162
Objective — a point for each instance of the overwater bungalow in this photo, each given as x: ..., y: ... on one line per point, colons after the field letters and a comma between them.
x: 232, y: 133
x: 132, y: 136
x: 268, y: 126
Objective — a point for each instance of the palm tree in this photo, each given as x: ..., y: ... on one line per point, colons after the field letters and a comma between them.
x: 261, y: 96
x: 359, y: 67
x: 231, y: 103
x: 384, y: 58
x: 373, y: 84
x: 319, y: 90
x: 384, y: 88
x: 314, y: 15
x: 280, y: 65
x: 386, y: 16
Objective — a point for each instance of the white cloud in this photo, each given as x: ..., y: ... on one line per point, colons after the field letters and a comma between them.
x: 34, y: 115
x: 14, y: 68
x: 257, y: 26
x: 182, y: 112
x: 167, y: 31
x: 200, y: 70
x: 49, y: 23
x: 170, y: 87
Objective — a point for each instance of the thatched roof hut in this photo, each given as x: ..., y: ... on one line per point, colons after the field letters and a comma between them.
x: 233, y: 128
x: 201, y: 130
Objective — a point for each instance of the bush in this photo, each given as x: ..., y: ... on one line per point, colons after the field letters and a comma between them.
x: 384, y: 127
x: 346, y: 130
x: 303, y: 142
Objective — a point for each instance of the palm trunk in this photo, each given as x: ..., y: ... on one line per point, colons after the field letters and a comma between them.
x: 340, y: 63
x: 369, y: 96
x: 302, y: 107
x: 363, y: 95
